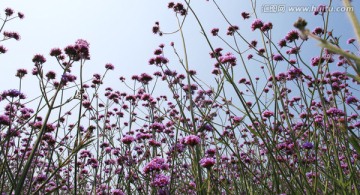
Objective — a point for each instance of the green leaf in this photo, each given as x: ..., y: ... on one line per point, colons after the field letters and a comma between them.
x: 355, y: 77
x: 355, y: 143
x: 353, y: 19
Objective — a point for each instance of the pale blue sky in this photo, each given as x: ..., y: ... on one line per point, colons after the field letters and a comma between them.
x: 120, y: 32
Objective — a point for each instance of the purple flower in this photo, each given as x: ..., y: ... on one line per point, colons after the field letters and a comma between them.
x: 242, y: 80
x: 237, y: 119
x: 21, y: 15
x: 2, y: 49
x: 292, y: 36
x: 245, y: 15
x: 55, y: 52
x: 350, y: 41
x: 180, y: 9
x: 278, y: 57
x: 78, y: 51
x: 267, y: 114
x: 81, y: 43
x: 257, y: 24
x: 232, y: 30
x: 155, y: 164
x: 40, y: 178
x: 266, y: 27
x: 215, y: 31
x: 158, y: 60
x: 211, y: 151
x: 321, y: 9
x: 228, y: 58
x: 67, y: 78
x: 351, y: 100
x: 156, y: 29
x: 50, y: 75
x: 282, y: 43
x: 160, y: 180
x: 117, y: 192
x: 9, y: 11
x: 208, y: 127
x: 39, y: 59
x: 318, y: 31
x: 192, y: 88
x: 159, y: 127
x: 13, y: 35
x: 109, y: 66
x: 207, y: 162
x: 127, y: 139
x: 192, y: 140
x: 13, y: 93
x: 316, y: 61
x: 335, y: 112
x: 253, y: 43
x: 308, y: 145
x: 21, y: 73
x: 250, y: 56
x: 294, y: 73
x: 145, y: 78
x: 82, y: 48
x: 310, y: 174
x: 178, y: 147
x: 4, y: 120
x: 93, y: 162
x: 86, y: 104
x: 85, y: 154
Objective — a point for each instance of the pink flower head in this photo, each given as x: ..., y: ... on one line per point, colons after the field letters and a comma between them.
x: 351, y: 100
x: 109, y: 66
x: 21, y: 73
x: 292, y: 36
x: 192, y: 140
x: 245, y: 15
x: 278, y: 57
x: 335, y: 112
x: 160, y: 180
x: 350, y: 41
x: 215, y: 31
x: 117, y: 192
x: 232, y: 30
x: 55, y: 52
x: 39, y: 59
x: 317, y: 60
x: 78, y: 51
x: 145, y: 78
x: 13, y: 35
x: 228, y: 58
x: 86, y: 104
x: 308, y: 145
x: 267, y: 114
x: 321, y: 9
x: 237, y: 119
x: 81, y: 43
x: 21, y: 15
x: 9, y: 12
x: 3, y: 49
x: 257, y: 24
x: 128, y: 139
x: 155, y: 164
x: 207, y: 162
x: 4, y: 120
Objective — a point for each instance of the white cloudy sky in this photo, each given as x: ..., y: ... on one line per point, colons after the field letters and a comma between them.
x: 120, y: 32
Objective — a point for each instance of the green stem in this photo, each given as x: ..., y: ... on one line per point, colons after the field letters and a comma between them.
x: 19, y: 186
